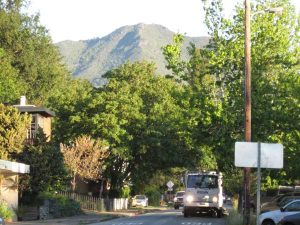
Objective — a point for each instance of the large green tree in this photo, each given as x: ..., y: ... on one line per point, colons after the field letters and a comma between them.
x: 31, y: 58
x: 275, y: 75
x: 138, y: 113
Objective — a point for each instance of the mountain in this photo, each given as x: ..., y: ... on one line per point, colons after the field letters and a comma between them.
x: 90, y: 59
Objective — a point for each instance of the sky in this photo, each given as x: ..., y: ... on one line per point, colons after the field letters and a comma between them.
x: 87, y: 19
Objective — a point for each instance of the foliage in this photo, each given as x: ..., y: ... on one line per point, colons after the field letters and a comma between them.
x: 85, y: 158
x: 5, y: 211
x: 72, y: 111
x: 125, y: 192
x: 47, y: 171
x: 63, y: 205
x: 23, y: 38
x: 139, y: 115
x: 10, y: 86
x: 13, y: 130
x: 275, y: 77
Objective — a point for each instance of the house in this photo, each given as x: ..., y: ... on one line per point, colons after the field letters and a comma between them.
x: 40, y: 118
x: 9, y: 172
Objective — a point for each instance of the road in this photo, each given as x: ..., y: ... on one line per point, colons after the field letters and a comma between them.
x: 167, y: 217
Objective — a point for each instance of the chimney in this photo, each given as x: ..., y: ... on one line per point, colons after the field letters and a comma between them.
x: 23, y: 100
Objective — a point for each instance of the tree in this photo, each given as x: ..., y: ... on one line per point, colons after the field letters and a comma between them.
x: 13, y: 131
x: 85, y: 158
x: 10, y: 85
x: 275, y: 76
x: 138, y: 113
x: 72, y: 111
x: 47, y: 171
x: 36, y: 62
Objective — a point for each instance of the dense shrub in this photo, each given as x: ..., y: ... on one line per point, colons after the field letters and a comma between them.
x: 5, y: 211
x: 61, y: 206
x: 153, y: 197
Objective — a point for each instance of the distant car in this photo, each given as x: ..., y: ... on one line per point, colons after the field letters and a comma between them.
x: 140, y: 200
x: 2, y: 222
x: 178, y: 199
x: 290, y: 220
x: 273, y: 217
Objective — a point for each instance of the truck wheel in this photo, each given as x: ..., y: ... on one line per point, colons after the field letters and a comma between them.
x: 176, y: 207
x: 186, y: 212
x: 219, y: 213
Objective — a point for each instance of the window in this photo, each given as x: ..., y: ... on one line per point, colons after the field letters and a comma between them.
x: 202, y: 181
x: 295, y: 206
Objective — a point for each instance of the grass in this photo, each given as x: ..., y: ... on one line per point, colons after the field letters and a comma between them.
x: 235, y: 218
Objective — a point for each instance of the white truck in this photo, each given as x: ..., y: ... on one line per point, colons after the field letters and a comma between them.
x: 203, y: 193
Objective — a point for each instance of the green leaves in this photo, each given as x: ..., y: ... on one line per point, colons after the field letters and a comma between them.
x: 13, y: 131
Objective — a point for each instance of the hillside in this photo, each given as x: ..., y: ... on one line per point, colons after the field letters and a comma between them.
x: 90, y: 59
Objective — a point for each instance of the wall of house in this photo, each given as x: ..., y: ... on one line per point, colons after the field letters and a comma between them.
x: 45, y: 123
x: 9, y: 190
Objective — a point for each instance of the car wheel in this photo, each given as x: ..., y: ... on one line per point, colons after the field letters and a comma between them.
x: 268, y: 222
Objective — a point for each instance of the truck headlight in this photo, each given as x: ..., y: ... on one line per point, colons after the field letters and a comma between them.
x: 189, y: 198
x: 215, y: 199
x: 175, y: 199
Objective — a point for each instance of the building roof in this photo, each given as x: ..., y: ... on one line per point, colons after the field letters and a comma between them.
x: 8, y: 167
x: 33, y: 109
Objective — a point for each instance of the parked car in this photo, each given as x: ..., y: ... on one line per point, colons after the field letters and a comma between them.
x: 2, y: 222
x: 290, y: 220
x: 178, y: 199
x: 277, y: 199
x: 278, y: 205
x: 273, y: 217
x: 140, y: 200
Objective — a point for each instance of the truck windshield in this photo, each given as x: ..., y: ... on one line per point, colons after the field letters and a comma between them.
x: 202, y: 181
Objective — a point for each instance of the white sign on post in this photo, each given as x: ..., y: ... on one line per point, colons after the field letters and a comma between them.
x: 258, y: 155
x: 246, y: 155
x: 170, y: 184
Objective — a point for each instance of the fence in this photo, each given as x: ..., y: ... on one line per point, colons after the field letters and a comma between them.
x: 97, y: 204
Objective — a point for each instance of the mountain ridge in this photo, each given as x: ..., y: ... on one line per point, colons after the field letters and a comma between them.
x: 90, y: 59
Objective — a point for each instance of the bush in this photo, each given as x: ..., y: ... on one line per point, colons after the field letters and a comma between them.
x: 5, y: 211
x: 153, y: 197
x: 61, y: 206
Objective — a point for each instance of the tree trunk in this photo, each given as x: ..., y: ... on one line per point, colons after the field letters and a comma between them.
x: 73, y: 183
x: 101, y: 188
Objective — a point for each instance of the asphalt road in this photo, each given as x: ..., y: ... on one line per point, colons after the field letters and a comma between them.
x: 167, y: 217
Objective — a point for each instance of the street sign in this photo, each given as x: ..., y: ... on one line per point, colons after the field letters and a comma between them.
x: 246, y: 155
x: 170, y: 184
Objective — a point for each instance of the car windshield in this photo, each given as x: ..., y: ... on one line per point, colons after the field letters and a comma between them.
x: 284, y: 201
x: 202, y: 181
x: 179, y: 194
x: 140, y: 197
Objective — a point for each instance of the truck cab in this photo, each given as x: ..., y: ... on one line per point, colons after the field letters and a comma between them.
x: 203, y: 193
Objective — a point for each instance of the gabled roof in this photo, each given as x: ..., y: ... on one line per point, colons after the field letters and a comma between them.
x: 33, y: 109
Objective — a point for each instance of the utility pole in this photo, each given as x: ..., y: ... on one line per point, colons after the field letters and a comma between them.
x: 247, y: 171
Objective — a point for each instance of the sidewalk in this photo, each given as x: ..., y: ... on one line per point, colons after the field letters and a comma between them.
x: 89, y: 217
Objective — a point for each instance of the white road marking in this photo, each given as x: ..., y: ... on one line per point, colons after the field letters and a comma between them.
x: 129, y: 223
x: 189, y: 223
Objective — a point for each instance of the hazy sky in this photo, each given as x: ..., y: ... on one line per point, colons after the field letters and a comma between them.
x: 87, y: 19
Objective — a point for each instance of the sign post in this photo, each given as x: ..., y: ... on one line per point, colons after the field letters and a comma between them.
x: 258, y: 183
x: 258, y: 155
x: 170, y: 185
